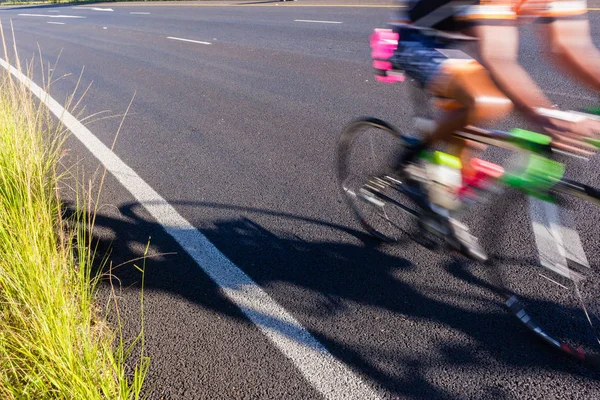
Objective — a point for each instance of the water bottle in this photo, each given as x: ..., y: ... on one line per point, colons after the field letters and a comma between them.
x: 445, y: 180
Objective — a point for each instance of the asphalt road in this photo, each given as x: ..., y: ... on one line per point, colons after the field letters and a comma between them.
x: 239, y: 136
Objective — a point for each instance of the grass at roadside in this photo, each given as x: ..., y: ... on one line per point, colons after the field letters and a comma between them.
x: 53, y: 341
x: 37, y: 3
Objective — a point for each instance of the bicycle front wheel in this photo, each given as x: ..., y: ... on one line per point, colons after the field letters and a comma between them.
x: 554, y: 291
x: 368, y: 152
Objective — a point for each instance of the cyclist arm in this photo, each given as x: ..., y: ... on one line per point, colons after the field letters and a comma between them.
x: 571, y: 42
x: 498, y: 50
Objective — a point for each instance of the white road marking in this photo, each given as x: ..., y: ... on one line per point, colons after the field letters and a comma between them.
x: 571, y: 248
x: 139, y: 13
x: 55, y: 23
x: 187, y: 40
x: 51, y: 16
x: 93, y: 8
x: 556, y: 243
x: 318, y: 22
x: 333, y: 379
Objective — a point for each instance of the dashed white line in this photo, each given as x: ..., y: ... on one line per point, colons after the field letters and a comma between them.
x: 332, y: 378
x: 318, y: 22
x: 51, y: 16
x: 55, y: 23
x: 93, y: 8
x: 187, y: 40
x: 139, y: 13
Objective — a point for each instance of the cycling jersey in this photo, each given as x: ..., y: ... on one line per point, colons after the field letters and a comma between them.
x: 428, y: 28
x: 453, y: 15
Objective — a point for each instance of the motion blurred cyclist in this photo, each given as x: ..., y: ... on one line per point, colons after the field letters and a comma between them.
x: 431, y: 35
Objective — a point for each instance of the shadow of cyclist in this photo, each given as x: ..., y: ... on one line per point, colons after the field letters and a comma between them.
x: 336, y: 276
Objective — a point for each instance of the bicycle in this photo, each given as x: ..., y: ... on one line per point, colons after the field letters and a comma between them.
x: 387, y: 202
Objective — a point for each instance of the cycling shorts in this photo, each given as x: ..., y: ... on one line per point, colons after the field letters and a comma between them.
x: 420, y: 54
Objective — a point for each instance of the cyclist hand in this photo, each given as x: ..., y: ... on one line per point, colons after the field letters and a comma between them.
x: 569, y: 130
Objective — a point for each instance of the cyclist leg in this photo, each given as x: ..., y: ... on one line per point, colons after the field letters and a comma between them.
x: 477, y: 100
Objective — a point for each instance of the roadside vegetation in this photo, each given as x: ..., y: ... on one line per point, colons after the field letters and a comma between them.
x: 54, y: 343
x: 49, y: 2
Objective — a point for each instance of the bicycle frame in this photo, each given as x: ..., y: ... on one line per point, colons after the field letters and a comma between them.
x: 542, y: 146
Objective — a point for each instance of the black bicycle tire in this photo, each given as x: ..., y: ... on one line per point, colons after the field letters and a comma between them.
x: 343, y: 150
x: 515, y: 306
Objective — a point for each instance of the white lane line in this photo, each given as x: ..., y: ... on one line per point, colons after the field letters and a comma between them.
x: 93, y: 8
x: 556, y: 242
x: 53, y: 11
x: 55, y: 23
x: 139, y: 13
x: 318, y: 22
x: 333, y: 379
x: 51, y: 16
x: 187, y: 40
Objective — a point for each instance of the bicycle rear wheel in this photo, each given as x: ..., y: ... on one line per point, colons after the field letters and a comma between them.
x: 367, y: 153
x: 554, y: 291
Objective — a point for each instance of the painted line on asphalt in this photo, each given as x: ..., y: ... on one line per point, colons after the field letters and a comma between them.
x: 329, y: 376
x: 556, y: 243
x: 55, y: 23
x: 139, y: 13
x: 187, y: 40
x: 93, y: 8
x: 317, y: 22
x: 51, y: 16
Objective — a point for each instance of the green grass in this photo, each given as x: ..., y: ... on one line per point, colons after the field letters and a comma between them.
x: 53, y: 341
x: 35, y: 3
